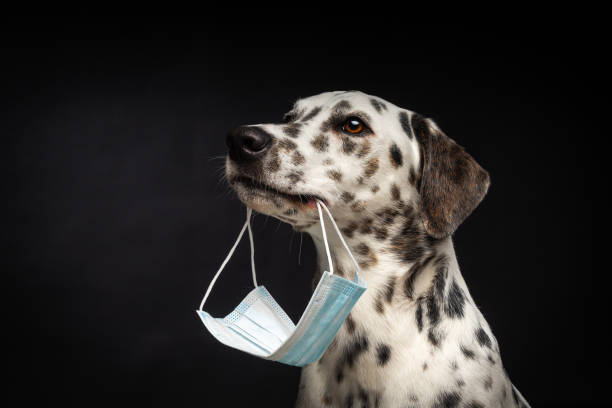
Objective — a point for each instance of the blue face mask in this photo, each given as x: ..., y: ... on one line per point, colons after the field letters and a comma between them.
x: 259, y: 326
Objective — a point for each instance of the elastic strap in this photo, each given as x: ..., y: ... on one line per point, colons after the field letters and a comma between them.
x: 246, y: 225
x: 329, y: 260
x: 331, y: 268
x: 252, y: 246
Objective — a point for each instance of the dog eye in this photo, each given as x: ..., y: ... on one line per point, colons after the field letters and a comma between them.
x: 353, y: 126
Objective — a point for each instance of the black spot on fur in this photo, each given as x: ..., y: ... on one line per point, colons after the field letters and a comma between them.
x: 468, y: 353
x: 379, y: 306
x: 336, y: 117
x: 454, y: 301
x: 371, y: 168
x: 491, y: 360
x: 274, y: 163
x: 474, y: 404
x: 385, y: 295
x: 339, y: 375
x: 350, y: 324
x: 378, y: 105
x: 334, y: 175
x: 286, y: 144
x: 292, y: 130
x: 447, y: 399
x: 320, y: 143
x: 419, y: 315
x: 355, y: 349
x: 297, y: 158
x: 366, y: 226
x: 383, y: 353
x: 363, y: 397
x: 292, y: 115
x: 396, y: 156
x: 413, y: 253
x: 380, y: 233
x: 295, y: 176
x: 347, y: 197
x: 387, y: 215
x: 343, y: 105
x: 350, y: 229
x: 311, y: 114
x: 434, y: 336
x: 390, y: 289
x: 433, y: 310
x: 395, y: 192
x: 363, y: 249
x: 348, y: 146
x: 364, y: 149
x: 348, y: 403
x: 413, y: 273
x: 483, y: 338
x: 405, y: 122
x: 439, y: 279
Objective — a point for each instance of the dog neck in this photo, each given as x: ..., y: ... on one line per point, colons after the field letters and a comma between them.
x: 406, y: 274
x: 383, y: 269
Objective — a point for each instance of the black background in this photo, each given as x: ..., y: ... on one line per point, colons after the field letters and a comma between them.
x: 117, y: 216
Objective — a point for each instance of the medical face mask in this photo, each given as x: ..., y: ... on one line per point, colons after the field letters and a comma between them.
x: 259, y: 326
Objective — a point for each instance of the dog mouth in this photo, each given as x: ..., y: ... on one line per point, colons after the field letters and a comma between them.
x: 298, y: 199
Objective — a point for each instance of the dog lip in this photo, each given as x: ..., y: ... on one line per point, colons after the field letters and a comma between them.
x: 300, y: 198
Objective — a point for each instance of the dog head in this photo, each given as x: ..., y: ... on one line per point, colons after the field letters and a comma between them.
x: 362, y: 156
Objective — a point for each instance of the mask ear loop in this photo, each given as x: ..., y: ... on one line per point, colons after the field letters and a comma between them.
x: 246, y: 225
x: 329, y: 260
x: 319, y: 205
x: 252, y: 246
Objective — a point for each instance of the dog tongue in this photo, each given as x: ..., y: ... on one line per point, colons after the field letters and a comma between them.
x: 312, y: 203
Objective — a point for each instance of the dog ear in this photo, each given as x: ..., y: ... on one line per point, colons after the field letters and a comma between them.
x: 451, y: 183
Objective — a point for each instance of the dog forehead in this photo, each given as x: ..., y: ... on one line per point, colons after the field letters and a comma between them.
x: 327, y: 100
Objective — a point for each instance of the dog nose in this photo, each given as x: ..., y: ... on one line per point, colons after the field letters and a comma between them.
x: 247, y: 143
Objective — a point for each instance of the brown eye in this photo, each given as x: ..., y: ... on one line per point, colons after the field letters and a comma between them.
x: 353, y: 126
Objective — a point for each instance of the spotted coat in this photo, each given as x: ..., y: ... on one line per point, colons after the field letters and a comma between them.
x: 398, y: 188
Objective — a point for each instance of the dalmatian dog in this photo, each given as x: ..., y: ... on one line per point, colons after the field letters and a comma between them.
x: 398, y: 188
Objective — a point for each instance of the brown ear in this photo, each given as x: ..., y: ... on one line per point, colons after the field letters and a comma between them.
x: 451, y: 185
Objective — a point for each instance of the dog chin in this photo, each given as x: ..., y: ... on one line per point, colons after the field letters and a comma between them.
x: 256, y: 201
x: 270, y: 199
